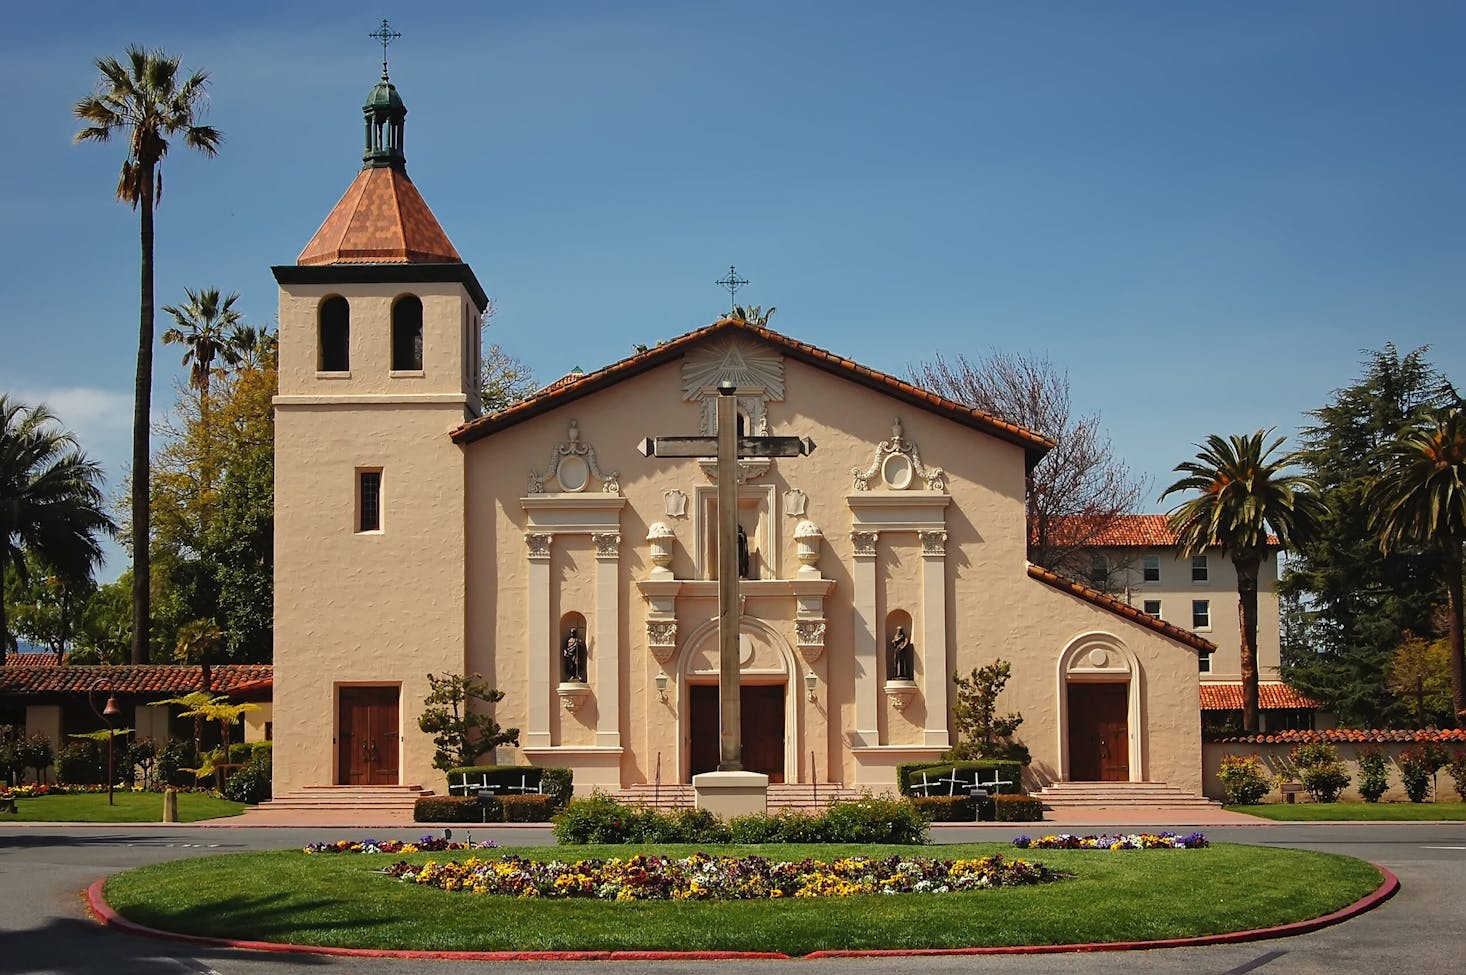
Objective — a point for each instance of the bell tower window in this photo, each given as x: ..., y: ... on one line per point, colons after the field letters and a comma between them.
x: 334, y: 335
x: 407, y: 334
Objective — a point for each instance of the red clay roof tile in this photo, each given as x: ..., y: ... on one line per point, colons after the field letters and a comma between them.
x: 1142, y: 531
x: 1222, y: 696
x: 1341, y: 736
x: 1119, y: 608
x: 165, y: 679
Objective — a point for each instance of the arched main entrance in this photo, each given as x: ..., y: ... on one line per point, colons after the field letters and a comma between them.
x: 770, y: 743
x: 1100, y: 731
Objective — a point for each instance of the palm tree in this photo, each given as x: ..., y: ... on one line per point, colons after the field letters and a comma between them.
x: 51, y: 502
x: 145, y: 97
x: 1419, y: 499
x: 1243, y: 496
x: 208, y: 328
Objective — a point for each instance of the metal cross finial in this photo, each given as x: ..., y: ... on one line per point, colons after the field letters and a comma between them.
x: 386, y: 35
x: 732, y: 282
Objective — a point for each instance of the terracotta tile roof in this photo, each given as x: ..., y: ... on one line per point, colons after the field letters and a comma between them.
x: 572, y: 387
x: 382, y: 219
x: 163, y: 679
x: 1343, y: 736
x: 1119, y: 608
x: 48, y: 659
x: 1216, y: 696
x: 1140, y: 531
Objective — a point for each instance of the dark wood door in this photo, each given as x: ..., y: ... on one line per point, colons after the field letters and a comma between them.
x: 761, y: 724
x: 367, y: 736
x: 1099, y: 732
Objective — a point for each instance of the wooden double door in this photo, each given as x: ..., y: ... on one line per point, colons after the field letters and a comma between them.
x: 761, y: 724
x: 1099, y: 732
x: 367, y: 736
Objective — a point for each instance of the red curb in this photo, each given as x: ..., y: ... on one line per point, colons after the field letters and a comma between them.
x: 1389, y: 885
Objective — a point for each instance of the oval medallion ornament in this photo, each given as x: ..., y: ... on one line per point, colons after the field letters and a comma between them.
x: 896, y: 471
x: 1098, y: 657
x: 573, y: 473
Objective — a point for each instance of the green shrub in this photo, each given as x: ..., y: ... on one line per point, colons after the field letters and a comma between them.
x: 527, y: 809
x: 448, y: 809
x: 1374, y: 776
x: 137, y: 762
x: 1457, y: 767
x: 1417, y: 764
x: 1320, y: 770
x: 1244, y: 779
x: 251, y: 783
x: 1018, y: 809
x: 80, y: 763
x: 979, y: 770
x: 945, y: 809
x: 175, y: 756
x: 599, y: 818
x: 36, y: 752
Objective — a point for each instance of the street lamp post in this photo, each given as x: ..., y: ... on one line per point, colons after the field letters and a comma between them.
x: 108, y: 712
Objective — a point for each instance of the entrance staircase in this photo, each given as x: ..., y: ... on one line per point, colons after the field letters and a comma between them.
x: 1148, y: 798
x: 377, y: 805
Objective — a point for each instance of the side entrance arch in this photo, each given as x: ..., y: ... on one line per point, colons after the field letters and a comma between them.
x: 1101, y: 735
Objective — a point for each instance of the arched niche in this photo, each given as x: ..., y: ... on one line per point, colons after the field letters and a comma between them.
x: 407, y: 339
x: 333, y: 335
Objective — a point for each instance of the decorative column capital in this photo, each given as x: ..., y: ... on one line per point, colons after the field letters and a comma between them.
x: 933, y: 542
x: 865, y: 543
x: 538, y: 544
x: 661, y: 639
x: 608, y: 545
x: 809, y: 635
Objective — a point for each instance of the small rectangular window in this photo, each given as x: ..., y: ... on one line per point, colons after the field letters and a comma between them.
x: 1201, y: 614
x: 1151, y: 567
x: 1198, y: 568
x: 1099, y: 571
x: 369, y: 501
x: 1152, y: 607
x: 1203, y: 662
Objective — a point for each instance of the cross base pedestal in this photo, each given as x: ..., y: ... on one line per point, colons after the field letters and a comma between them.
x: 728, y: 794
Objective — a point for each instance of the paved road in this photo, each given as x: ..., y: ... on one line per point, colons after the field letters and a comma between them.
x: 44, y: 927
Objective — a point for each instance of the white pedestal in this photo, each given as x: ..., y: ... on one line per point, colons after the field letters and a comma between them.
x: 728, y: 794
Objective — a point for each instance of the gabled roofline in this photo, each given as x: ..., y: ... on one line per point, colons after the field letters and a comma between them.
x: 1034, y: 445
x: 1107, y: 602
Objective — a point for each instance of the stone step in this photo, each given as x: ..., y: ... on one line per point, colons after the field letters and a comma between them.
x: 1082, y: 795
x: 342, y: 798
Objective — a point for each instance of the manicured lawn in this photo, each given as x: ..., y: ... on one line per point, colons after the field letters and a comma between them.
x: 128, y: 807
x: 340, y: 899
x: 1393, y: 812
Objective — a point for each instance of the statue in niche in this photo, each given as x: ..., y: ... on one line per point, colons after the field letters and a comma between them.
x: 572, y: 657
x: 902, y: 665
x: 742, y: 553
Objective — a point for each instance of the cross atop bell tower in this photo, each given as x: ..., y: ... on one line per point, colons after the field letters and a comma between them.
x: 385, y: 114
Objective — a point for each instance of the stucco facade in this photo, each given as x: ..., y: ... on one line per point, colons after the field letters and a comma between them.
x: 414, y: 536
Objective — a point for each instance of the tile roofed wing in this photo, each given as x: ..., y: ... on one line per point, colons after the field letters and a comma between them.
x: 382, y: 219
x: 1346, y: 736
x: 572, y: 387
x: 163, y: 679
x: 1124, y: 531
x: 1119, y: 608
x: 1217, y: 696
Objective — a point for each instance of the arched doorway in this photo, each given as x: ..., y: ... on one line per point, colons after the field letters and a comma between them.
x: 768, y: 721
x: 1101, y: 737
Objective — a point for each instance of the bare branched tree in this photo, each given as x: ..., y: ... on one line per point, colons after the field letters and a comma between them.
x: 1080, y: 488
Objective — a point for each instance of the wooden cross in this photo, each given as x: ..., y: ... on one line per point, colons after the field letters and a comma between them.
x: 727, y: 447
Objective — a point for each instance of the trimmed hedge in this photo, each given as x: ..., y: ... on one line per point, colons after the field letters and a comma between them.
x: 492, y: 809
x: 1018, y: 809
x: 982, y: 770
x: 557, y: 783
x: 527, y: 809
x: 945, y: 809
x: 448, y: 809
x: 601, y: 819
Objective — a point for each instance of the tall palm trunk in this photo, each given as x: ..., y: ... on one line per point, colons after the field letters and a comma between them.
x: 142, y: 399
x: 1453, y: 625
x: 1247, y: 570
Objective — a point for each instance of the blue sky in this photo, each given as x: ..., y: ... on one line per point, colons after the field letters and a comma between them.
x: 1202, y: 211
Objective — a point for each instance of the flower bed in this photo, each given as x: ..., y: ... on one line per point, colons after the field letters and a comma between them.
x: 33, y: 791
x: 425, y: 844
x: 1120, y: 841
x: 705, y: 877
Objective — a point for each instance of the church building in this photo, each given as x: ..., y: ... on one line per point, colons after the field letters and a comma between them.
x: 537, y: 546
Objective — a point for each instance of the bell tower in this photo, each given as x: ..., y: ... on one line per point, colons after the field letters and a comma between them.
x: 379, y: 360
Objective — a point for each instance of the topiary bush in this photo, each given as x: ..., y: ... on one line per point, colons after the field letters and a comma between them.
x: 447, y: 809
x: 80, y: 763
x: 1018, y: 809
x: 36, y: 752
x: 1244, y: 779
x: 1417, y: 764
x: 1374, y: 776
x: 1320, y: 770
x: 599, y: 818
x: 527, y: 809
x: 1457, y: 767
x: 946, y: 809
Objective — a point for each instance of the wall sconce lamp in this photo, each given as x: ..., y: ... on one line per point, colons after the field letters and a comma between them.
x: 661, y: 680
x: 810, y: 680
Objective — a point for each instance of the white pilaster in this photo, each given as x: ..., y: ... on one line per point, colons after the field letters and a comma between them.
x: 868, y: 669
x: 541, y: 648
x: 932, y: 643
x: 607, y: 644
